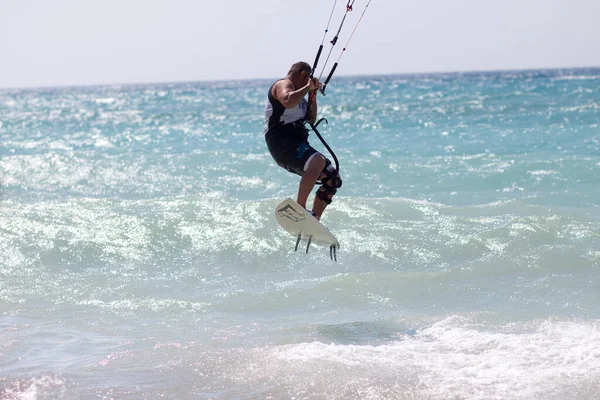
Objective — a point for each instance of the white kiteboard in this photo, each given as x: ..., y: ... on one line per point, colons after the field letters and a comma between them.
x: 303, y: 225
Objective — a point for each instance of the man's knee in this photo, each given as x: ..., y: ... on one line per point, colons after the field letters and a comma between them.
x: 316, y: 163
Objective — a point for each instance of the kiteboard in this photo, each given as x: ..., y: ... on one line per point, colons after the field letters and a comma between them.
x: 303, y: 225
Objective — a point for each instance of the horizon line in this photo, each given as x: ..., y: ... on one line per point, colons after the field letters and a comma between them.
x: 222, y: 80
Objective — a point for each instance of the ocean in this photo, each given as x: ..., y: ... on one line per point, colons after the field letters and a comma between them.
x: 140, y: 257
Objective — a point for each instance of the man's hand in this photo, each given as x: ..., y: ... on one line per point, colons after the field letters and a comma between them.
x: 314, y: 84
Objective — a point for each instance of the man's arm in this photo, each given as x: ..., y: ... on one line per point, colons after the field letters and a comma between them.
x: 287, y: 95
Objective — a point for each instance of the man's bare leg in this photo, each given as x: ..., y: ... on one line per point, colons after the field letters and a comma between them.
x: 310, y: 176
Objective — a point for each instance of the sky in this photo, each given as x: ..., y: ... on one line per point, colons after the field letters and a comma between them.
x: 45, y: 43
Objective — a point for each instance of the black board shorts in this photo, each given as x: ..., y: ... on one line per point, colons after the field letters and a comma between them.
x: 289, y: 147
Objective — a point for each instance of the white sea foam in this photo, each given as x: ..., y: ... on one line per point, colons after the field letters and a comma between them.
x: 576, y: 78
x: 105, y: 100
x: 459, y: 359
x: 42, y: 387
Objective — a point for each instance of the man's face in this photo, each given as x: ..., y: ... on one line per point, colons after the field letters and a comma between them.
x: 304, y: 77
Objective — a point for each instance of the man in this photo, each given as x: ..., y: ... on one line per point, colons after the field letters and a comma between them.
x: 287, y: 136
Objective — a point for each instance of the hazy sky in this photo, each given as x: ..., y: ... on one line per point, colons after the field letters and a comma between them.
x: 80, y: 42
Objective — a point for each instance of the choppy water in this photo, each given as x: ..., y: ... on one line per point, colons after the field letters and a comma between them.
x: 139, y: 257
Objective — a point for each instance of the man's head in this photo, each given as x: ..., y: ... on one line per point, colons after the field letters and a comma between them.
x: 299, y: 72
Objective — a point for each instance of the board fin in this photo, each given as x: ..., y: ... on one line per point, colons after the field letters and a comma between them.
x: 298, y: 241
x: 308, y: 245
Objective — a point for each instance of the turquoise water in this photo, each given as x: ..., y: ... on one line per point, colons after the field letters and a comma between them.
x: 139, y: 256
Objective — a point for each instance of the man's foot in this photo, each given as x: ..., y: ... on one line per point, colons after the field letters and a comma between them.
x: 311, y: 213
